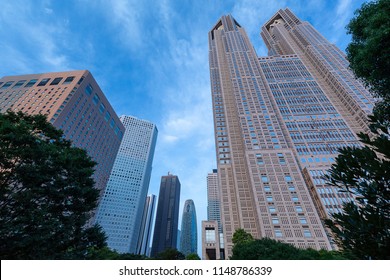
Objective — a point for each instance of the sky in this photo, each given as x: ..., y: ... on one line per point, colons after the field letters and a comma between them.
x: 150, y: 58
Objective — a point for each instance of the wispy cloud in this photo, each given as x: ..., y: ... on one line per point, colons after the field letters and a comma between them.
x: 36, y: 37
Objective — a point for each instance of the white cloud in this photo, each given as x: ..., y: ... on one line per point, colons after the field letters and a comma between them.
x: 32, y: 32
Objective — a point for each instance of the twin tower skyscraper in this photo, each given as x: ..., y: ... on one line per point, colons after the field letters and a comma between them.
x: 279, y: 121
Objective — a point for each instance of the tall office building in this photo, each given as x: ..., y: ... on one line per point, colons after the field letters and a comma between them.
x: 121, y: 208
x: 279, y: 121
x: 189, y: 230
x: 167, y: 216
x: 74, y: 103
x: 144, y: 241
x: 213, y: 199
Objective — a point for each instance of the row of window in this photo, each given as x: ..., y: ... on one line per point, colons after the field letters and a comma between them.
x: 32, y: 82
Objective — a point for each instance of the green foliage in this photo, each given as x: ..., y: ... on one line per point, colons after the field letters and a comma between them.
x: 241, y: 236
x: 170, y: 254
x: 364, y: 227
x: 368, y: 52
x: 46, y: 192
x: 269, y: 249
x: 192, y: 256
x: 106, y: 253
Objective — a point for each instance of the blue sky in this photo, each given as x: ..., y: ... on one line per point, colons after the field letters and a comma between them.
x: 151, y: 60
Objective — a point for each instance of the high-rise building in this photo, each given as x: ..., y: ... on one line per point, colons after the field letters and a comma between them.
x: 189, y: 230
x: 213, y: 200
x: 74, y: 103
x: 167, y: 216
x: 121, y: 208
x: 144, y: 241
x: 279, y: 121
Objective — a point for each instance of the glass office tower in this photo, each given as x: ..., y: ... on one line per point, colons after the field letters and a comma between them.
x: 189, y: 229
x: 167, y: 216
x: 122, y: 206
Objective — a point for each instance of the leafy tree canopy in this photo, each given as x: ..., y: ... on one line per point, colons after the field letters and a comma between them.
x: 269, y: 249
x: 46, y: 192
x: 170, y: 254
x: 192, y: 256
x: 241, y: 236
x: 363, y: 228
x: 106, y: 253
x: 368, y: 52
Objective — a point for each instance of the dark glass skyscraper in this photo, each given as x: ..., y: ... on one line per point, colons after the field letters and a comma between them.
x: 167, y: 216
x: 189, y: 232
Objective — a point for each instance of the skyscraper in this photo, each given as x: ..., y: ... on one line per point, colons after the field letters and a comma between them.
x: 121, y: 208
x: 189, y: 230
x: 74, y: 103
x: 167, y: 216
x: 144, y: 241
x: 213, y: 199
x: 278, y: 123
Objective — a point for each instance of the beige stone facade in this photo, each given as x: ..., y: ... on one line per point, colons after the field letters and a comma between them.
x: 278, y: 124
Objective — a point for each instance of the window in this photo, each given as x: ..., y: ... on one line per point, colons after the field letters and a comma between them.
x: 306, y: 233
x: 287, y: 178
x: 112, y: 123
x: 102, y: 108
x: 267, y: 188
x: 7, y: 84
x: 107, y: 116
x: 275, y: 221
x: 56, y: 81
x: 291, y: 188
x: 95, y: 99
x: 278, y: 233
x: 31, y: 83
x: 264, y: 178
x: 270, y: 199
x: 210, y: 235
x: 19, y: 84
x: 88, y: 89
x: 295, y: 198
x: 43, y: 82
x: 303, y: 221
x: 68, y: 80
x: 272, y: 209
x: 299, y: 209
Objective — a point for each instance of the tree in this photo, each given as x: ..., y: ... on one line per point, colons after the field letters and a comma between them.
x: 241, y: 236
x: 363, y: 228
x: 368, y: 52
x: 269, y: 249
x: 106, y: 253
x: 46, y: 192
x: 192, y: 256
x: 170, y: 254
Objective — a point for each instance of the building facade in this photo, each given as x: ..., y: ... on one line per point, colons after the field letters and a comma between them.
x: 189, y: 229
x: 122, y: 206
x: 212, y: 241
x: 74, y: 103
x: 278, y: 123
x: 213, y: 199
x: 167, y: 216
x: 144, y: 241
